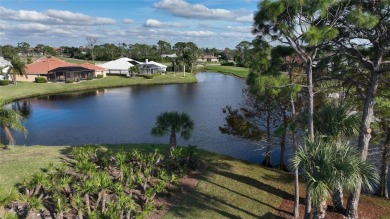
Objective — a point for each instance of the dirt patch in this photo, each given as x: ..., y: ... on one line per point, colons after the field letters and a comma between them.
x: 367, y: 210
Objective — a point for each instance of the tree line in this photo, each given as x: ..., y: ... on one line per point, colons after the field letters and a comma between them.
x: 324, y: 86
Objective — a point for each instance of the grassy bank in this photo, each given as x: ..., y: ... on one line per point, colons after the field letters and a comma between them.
x: 228, y: 70
x: 28, y: 89
x: 229, y: 189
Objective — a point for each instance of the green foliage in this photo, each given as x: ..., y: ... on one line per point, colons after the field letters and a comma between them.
x: 69, y: 81
x: 315, y: 36
x: 4, y: 82
x: 40, y: 80
x: 10, y: 119
x: 361, y: 19
x: 336, y: 120
x: 324, y: 164
x: 99, y: 76
x: 126, y: 185
x: 172, y: 123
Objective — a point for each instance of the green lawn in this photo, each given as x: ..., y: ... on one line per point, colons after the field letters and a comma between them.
x: 229, y: 70
x: 229, y: 188
x: 29, y: 89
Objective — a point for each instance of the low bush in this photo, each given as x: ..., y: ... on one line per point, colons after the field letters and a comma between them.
x: 148, y: 76
x: 228, y: 64
x: 90, y: 78
x: 4, y: 82
x: 69, y: 81
x: 99, y: 76
x: 40, y: 80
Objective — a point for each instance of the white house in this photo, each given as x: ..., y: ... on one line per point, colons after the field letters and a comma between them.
x: 119, y: 66
x: 4, y: 66
x: 163, y: 68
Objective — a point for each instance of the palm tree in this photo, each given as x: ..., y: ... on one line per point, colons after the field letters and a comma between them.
x: 328, y: 163
x: 10, y: 119
x: 18, y: 68
x: 173, y: 122
x: 336, y: 120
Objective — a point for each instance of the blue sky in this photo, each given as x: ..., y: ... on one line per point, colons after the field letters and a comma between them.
x: 208, y: 23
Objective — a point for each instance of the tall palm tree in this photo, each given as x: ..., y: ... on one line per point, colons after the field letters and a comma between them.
x: 328, y: 163
x: 10, y: 119
x: 172, y: 123
x: 18, y: 68
x: 336, y: 120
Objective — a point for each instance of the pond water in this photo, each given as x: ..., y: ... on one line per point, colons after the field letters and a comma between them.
x: 126, y: 115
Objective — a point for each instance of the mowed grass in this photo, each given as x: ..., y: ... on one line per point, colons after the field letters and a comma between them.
x: 235, y: 189
x: 29, y: 89
x: 228, y: 70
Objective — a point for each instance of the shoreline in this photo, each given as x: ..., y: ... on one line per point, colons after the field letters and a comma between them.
x: 24, y: 90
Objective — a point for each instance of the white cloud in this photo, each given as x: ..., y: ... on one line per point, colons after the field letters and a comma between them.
x: 158, y: 24
x: 181, y: 8
x: 53, y: 17
x: 242, y: 29
x: 248, y: 18
x: 128, y: 21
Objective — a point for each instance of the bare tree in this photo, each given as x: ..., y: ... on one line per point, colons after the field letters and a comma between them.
x: 91, y: 44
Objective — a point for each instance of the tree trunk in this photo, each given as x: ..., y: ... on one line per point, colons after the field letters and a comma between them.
x: 308, y: 202
x: 364, y: 139
x: 8, y: 135
x: 337, y: 197
x: 282, y: 158
x: 319, y: 210
x: 172, y: 140
x: 385, y: 167
x: 267, y: 161
x: 296, y: 172
x: 310, y: 90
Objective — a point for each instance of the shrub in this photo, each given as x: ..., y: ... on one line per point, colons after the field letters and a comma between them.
x: 228, y: 64
x: 69, y: 81
x: 148, y: 76
x: 99, y: 76
x: 4, y: 82
x: 89, y: 77
x: 40, y: 80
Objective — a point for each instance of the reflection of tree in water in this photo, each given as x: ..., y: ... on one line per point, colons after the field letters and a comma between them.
x: 73, y: 95
x: 24, y: 107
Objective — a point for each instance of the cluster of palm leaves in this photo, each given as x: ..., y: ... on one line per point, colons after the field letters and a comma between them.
x: 101, y: 184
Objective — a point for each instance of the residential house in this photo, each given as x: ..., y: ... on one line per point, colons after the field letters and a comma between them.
x: 46, y: 67
x: 207, y: 58
x: 119, y: 66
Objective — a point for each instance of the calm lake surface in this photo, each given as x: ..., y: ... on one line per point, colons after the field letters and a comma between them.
x: 126, y: 115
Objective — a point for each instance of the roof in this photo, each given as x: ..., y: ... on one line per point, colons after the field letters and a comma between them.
x: 92, y: 67
x: 44, y: 65
x: 156, y: 63
x: 169, y: 55
x: 119, y: 64
x: 208, y: 57
x: 71, y: 68
x: 149, y: 65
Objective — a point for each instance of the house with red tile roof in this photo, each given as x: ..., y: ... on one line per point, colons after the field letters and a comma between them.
x: 46, y: 66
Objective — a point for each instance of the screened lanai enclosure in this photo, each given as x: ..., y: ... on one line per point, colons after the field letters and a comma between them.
x: 74, y: 73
